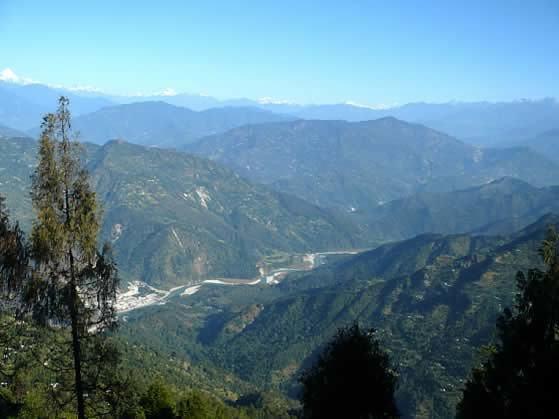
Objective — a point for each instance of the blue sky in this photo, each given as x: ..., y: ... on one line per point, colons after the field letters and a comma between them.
x: 368, y: 52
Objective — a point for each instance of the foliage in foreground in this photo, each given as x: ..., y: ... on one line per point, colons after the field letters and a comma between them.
x: 519, y: 379
x: 157, y: 400
x: 72, y: 285
x: 352, y: 379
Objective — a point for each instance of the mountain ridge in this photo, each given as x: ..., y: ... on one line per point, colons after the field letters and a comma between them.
x: 434, y: 299
x: 500, y: 206
x: 177, y: 219
x: 483, y: 123
x: 163, y: 125
x: 354, y: 166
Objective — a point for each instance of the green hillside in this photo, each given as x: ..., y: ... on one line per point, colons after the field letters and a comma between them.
x: 17, y: 162
x: 176, y: 219
x: 434, y: 298
x: 356, y: 166
x: 501, y: 206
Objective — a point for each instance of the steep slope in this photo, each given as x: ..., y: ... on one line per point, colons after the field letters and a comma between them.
x: 433, y: 298
x: 17, y: 161
x: 163, y: 125
x: 356, y: 166
x: 177, y: 219
x: 180, y: 218
x: 501, y: 206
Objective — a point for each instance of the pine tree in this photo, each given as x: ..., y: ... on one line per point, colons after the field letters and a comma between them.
x: 73, y: 284
x: 519, y: 379
x: 352, y: 379
x: 14, y: 269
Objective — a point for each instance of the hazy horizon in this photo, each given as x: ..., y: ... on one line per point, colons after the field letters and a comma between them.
x: 367, y: 54
x: 8, y: 75
x: 279, y: 209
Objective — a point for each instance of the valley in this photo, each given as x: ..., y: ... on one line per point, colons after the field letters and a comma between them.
x: 247, y: 233
x: 140, y: 294
x: 279, y: 210
x: 434, y: 298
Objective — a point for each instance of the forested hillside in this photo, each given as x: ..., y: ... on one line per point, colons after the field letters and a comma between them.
x: 279, y: 210
x: 434, y: 298
x: 501, y: 206
x: 357, y: 166
x: 176, y: 219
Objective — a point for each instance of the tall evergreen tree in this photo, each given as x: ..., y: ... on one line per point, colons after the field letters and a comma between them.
x: 352, y: 379
x: 14, y: 336
x: 14, y: 269
x: 73, y: 284
x: 519, y: 380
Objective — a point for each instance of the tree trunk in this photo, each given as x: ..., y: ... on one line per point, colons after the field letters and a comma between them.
x: 76, y: 350
x: 76, y: 346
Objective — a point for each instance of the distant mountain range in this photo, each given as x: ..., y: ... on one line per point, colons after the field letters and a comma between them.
x: 163, y: 125
x: 177, y: 219
x: 10, y: 132
x: 219, y: 190
x: 23, y: 106
x: 481, y: 123
x: 484, y: 123
x: 357, y: 166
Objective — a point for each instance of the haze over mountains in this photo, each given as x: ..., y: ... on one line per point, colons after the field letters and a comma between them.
x: 176, y: 219
x: 23, y: 106
x: 273, y: 210
x: 480, y: 123
x: 357, y: 166
x: 163, y: 125
x: 546, y: 143
x: 361, y: 182
x: 272, y: 198
x: 10, y: 132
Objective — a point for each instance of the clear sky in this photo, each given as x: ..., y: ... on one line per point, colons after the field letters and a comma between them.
x: 369, y: 52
